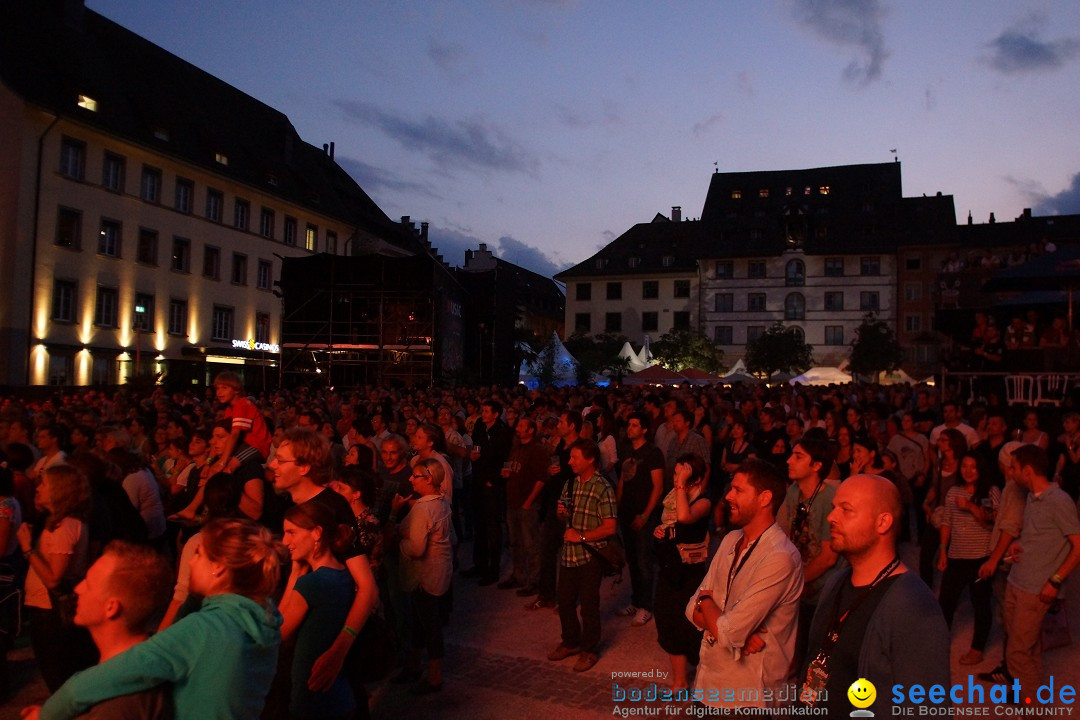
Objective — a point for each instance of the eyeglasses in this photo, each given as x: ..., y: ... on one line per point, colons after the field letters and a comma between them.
x: 420, y: 476
x: 279, y: 461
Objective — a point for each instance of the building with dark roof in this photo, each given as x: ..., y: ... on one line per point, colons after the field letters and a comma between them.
x: 145, y: 206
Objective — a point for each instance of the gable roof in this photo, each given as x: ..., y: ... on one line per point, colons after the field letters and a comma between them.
x: 642, y: 250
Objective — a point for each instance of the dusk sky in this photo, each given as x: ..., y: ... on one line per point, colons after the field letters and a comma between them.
x: 546, y: 128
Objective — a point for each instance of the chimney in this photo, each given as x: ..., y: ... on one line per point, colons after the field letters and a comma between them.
x: 331, y: 150
x: 992, y: 219
x: 676, y: 213
x: 423, y: 230
x: 1027, y: 213
x: 405, y: 220
x: 325, y: 149
x: 970, y: 221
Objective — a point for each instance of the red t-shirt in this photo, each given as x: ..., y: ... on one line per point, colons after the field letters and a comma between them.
x: 249, y: 420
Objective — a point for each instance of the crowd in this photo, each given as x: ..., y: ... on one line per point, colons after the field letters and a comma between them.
x: 215, y: 555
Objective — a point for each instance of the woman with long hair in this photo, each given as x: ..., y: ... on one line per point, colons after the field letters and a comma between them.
x: 221, y: 659
x: 58, y: 561
x: 864, y: 457
x: 357, y: 485
x: 951, y: 448
x: 426, y: 567
x: 965, y: 545
x: 682, y: 550
x: 845, y: 451
x: 314, y: 607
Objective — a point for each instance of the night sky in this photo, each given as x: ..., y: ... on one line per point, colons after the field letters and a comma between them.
x: 546, y: 128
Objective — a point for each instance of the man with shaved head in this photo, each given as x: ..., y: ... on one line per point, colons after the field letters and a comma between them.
x: 875, y: 619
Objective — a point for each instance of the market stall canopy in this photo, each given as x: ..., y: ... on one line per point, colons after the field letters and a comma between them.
x: 655, y: 375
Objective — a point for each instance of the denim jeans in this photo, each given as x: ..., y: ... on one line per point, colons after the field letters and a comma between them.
x: 641, y: 560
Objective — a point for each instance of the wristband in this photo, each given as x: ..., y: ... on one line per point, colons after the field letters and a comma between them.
x: 350, y: 631
x: 582, y: 536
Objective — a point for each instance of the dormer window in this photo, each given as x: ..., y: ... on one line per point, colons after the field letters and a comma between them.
x: 823, y: 190
x: 763, y: 193
x: 667, y: 260
x: 736, y: 194
x: 601, y: 263
x: 221, y: 159
x: 87, y: 103
x: 634, y: 262
x: 161, y: 134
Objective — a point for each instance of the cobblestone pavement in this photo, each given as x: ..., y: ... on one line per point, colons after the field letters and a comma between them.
x: 496, y: 664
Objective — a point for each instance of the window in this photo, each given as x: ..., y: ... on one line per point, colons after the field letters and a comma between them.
x: 870, y: 266
x: 181, y: 254
x: 87, y: 103
x: 109, y: 238
x: 723, y: 335
x: 241, y: 214
x: 913, y: 323
x: 725, y: 270
x: 834, y: 301
x: 834, y: 267
x: 69, y: 228
x: 756, y: 269
x: 239, y: 269
x: 824, y: 190
x: 913, y: 263
x: 667, y: 260
x: 682, y: 289
x: 177, y: 317
x: 221, y: 323
x: 146, y: 251
x: 262, y: 327
x: 633, y: 262
x: 912, y: 291
x: 221, y: 158
x: 105, y: 307
x: 754, y: 332
x: 143, y: 318
x: 794, y: 307
x: 582, y: 322
x: 650, y: 289
x: 150, y: 188
x: 797, y: 333
x: 311, y: 238
x: 614, y: 291
x: 185, y: 190
x: 583, y: 291
x: 65, y: 293
x: 290, y: 230
x: 211, y: 265
x: 613, y: 322
x: 601, y: 263
x: 795, y: 274
x: 263, y: 274
x: 763, y: 193
x: 755, y: 302
x: 650, y: 321
x: 112, y: 172
x: 834, y: 334
x: 725, y: 302
x: 72, y: 158
x: 869, y: 301
x: 331, y: 242
x: 214, y: 200
x: 266, y: 223
x: 736, y: 194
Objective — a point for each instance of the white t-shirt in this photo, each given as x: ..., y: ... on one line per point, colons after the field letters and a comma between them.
x: 68, y: 538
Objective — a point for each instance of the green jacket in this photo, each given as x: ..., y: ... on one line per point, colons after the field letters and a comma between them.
x: 220, y: 662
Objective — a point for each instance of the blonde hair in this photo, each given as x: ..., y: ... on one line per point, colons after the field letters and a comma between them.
x: 435, y: 471
x: 69, y: 494
x: 248, y: 552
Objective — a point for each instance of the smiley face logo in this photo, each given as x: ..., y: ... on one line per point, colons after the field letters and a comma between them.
x: 862, y: 693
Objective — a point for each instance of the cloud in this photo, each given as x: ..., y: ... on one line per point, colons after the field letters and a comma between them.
x: 472, y: 144
x: 703, y: 127
x: 607, y: 115
x: 529, y: 257
x: 848, y: 23
x: 372, y: 178
x: 1066, y: 202
x: 454, y: 59
x: 452, y: 243
x: 1019, y: 49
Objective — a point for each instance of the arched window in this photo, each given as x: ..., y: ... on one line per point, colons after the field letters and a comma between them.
x: 797, y: 332
x: 794, y: 307
x: 796, y: 273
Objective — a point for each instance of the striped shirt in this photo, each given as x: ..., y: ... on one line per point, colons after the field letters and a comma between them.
x: 968, y: 538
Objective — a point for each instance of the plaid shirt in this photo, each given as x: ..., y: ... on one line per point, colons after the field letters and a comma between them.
x: 593, y: 502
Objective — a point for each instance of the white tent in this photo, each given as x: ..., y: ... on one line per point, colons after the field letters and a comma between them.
x: 822, y: 376
x: 632, y: 358
x: 565, y: 365
x: 897, y: 377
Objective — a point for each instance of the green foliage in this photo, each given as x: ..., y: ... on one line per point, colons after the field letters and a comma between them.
x: 779, y: 348
x: 681, y: 349
x: 544, y: 363
x: 597, y: 354
x: 875, y: 348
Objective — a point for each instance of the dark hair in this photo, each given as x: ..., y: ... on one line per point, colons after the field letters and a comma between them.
x: 696, y: 463
x: 956, y: 440
x: 222, y: 496
x: 435, y: 434
x: 763, y: 475
x: 1034, y: 457
x: 361, y: 479
x: 310, y: 515
x: 142, y: 578
x: 642, y: 417
x: 20, y: 456
x: 573, y: 419
x: 495, y: 405
x: 819, y: 449
x: 982, y: 483
x: 866, y: 443
x: 588, y: 449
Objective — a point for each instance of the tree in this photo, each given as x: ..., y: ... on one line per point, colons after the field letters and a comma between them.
x: 681, y: 349
x: 779, y: 348
x: 875, y: 348
x: 596, y: 354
